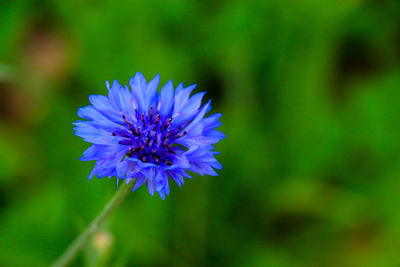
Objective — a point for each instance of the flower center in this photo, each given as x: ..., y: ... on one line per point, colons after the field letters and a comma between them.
x: 151, y: 138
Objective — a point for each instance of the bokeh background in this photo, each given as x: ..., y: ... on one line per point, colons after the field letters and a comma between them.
x: 310, y: 96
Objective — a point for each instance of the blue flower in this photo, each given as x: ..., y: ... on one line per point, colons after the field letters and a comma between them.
x: 139, y: 133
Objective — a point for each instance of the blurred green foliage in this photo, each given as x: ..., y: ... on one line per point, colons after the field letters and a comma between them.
x: 310, y: 92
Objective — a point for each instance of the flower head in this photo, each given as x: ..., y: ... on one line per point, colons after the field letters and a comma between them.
x: 138, y: 133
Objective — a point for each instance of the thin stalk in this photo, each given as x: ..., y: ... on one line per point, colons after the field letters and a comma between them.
x: 80, y: 242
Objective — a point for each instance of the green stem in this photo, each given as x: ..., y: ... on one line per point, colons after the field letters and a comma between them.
x: 72, y: 251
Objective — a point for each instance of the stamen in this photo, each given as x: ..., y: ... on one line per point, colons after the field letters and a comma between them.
x: 123, y: 117
x: 168, y: 123
x: 126, y: 121
x: 167, y: 135
x: 151, y: 113
x: 150, y: 137
x: 182, y: 134
x: 131, y: 127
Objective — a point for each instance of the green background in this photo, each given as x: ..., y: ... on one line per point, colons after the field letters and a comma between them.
x: 310, y: 96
